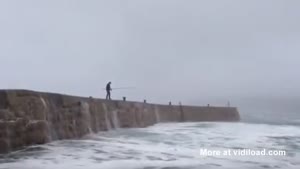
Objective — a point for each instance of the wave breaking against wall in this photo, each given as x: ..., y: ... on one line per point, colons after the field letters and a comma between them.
x: 28, y: 117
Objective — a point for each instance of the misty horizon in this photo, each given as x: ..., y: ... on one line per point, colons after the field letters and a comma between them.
x: 196, y: 52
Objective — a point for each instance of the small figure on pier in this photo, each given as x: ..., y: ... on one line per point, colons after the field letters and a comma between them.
x: 108, y: 89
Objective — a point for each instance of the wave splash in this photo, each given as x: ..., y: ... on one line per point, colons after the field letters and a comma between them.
x: 169, y: 145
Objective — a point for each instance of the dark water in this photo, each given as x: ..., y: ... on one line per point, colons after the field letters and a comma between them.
x: 171, y: 145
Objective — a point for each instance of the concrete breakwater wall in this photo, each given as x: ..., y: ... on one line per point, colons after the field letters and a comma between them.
x: 28, y: 117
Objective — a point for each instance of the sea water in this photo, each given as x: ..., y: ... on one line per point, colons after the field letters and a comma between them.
x: 166, y: 146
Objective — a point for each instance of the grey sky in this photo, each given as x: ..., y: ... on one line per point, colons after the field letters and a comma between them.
x: 188, y: 50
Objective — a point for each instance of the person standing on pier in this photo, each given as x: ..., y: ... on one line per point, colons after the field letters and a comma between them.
x: 108, y: 89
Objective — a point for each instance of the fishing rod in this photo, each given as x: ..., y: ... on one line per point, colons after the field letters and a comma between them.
x: 121, y: 88
x: 118, y: 88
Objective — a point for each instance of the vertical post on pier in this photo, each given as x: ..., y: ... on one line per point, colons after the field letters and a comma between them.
x: 228, y: 104
x: 124, y: 99
x: 181, y: 113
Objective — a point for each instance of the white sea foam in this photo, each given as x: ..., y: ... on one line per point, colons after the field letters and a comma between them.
x: 169, y: 145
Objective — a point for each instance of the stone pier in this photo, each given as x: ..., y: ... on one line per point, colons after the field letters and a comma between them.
x: 28, y: 117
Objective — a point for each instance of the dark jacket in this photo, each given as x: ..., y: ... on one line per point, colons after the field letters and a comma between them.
x: 108, y: 88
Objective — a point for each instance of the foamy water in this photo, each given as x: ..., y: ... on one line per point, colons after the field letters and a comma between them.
x: 170, y: 145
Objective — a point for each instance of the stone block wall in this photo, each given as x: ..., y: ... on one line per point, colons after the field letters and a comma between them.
x: 28, y: 117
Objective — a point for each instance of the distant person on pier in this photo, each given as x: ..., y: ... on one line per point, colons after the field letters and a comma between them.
x: 108, y: 89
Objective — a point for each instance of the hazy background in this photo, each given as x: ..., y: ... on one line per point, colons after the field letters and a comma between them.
x: 193, y: 51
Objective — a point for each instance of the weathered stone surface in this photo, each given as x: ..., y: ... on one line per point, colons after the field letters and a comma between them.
x: 193, y: 113
x: 28, y: 117
x: 37, y: 132
x: 4, y: 145
x: 3, y: 100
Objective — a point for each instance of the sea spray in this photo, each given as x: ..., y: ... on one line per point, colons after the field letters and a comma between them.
x: 166, y: 145
x: 107, y: 121
x: 52, y: 133
x: 44, y: 103
x: 86, y: 111
x: 116, y: 119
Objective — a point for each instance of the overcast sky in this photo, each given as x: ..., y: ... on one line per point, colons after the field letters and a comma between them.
x: 179, y: 50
